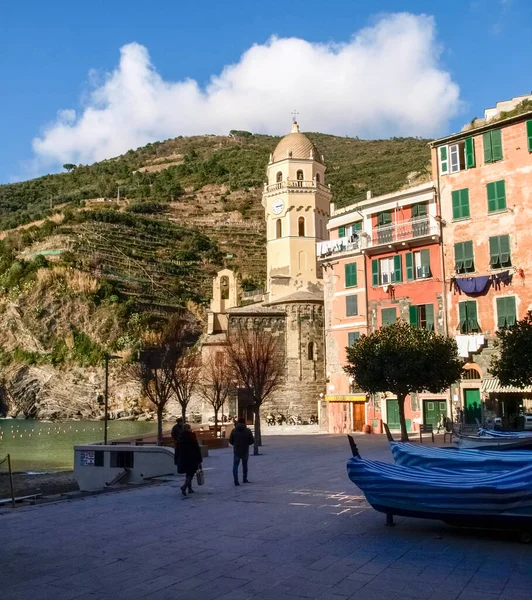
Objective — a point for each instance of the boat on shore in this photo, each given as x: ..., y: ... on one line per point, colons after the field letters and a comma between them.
x: 487, y: 500
x: 454, y: 459
x: 488, y: 442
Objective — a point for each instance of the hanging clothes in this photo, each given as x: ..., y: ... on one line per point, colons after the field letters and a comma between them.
x: 472, y: 285
x: 504, y: 278
x: 462, y: 341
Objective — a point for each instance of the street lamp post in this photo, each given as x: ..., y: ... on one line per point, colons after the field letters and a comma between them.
x: 107, y: 357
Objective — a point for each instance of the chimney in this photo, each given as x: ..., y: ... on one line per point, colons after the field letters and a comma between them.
x: 369, y: 195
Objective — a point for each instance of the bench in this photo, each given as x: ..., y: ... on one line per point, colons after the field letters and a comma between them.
x: 426, y: 428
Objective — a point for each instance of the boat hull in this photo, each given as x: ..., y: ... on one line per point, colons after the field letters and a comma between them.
x: 493, y: 443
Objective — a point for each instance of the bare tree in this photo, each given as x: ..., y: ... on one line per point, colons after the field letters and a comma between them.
x: 154, y: 373
x: 255, y: 358
x: 217, y: 383
x: 185, y: 377
x: 158, y: 362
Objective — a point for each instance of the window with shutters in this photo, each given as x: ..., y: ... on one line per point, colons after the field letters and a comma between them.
x: 351, y: 275
x: 352, y: 337
x: 469, y: 150
x: 492, y: 146
x: 351, y: 306
x: 468, y: 321
x: 419, y: 210
x: 418, y: 265
x: 390, y: 270
x: 453, y: 158
x: 506, y: 312
x: 496, y: 191
x: 443, y: 154
x: 529, y: 135
x: 460, y: 200
x: 388, y: 316
x: 500, y: 252
x: 384, y: 233
x: 464, y: 261
x: 422, y: 316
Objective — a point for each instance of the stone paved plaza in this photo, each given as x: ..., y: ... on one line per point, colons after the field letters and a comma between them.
x: 301, y: 529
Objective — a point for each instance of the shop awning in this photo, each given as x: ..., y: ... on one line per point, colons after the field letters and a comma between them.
x: 493, y: 386
x: 347, y: 398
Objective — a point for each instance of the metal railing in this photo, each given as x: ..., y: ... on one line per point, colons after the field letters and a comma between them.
x: 295, y: 184
x: 349, y: 243
x: 405, y: 230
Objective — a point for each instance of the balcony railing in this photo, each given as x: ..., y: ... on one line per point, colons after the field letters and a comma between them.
x: 294, y: 185
x: 349, y: 243
x: 405, y: 230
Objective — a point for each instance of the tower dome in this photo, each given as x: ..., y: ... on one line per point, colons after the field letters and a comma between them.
x: 295, y: 145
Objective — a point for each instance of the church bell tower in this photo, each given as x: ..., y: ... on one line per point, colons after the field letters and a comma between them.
x: 296, y: 202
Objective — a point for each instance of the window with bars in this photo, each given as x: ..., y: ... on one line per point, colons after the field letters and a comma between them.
x: 351, y: 306
x: 500, y: 252
x: 422, y: 316
x: 492, y: 146
x: 350, y: 275
x: 468, y: 320
x: 506, y: 312
x: 464, y: 261
x: 460, y: 199
x: 496, y: 191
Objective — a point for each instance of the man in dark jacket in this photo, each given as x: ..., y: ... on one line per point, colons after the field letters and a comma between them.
x: 241, y: 439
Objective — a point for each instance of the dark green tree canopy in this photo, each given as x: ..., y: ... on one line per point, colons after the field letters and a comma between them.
x: 513, y: 364
x: 402, y: 359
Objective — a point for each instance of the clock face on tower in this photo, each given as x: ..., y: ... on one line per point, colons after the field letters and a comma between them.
x: 277, y: 207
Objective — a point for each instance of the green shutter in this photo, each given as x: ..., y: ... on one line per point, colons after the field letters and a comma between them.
x: 414, y: 316
x: 511, y: 312
x: 425, y: 263
x: 429, y: 308
x: 472, y: 322
x: 495, y: 253
x: 506, y: 312
x: 469, y: 259
x: 460, y: 199
x: 492, y: 197
x: 487, y: 147
x: 496, y: 145
x: 409, y: 260
x: 356, y: 226
x: 351, y: 306
x: 444, y: 163
x: 470, y: 152
x: 501, y: 312
x: 389, y: 316
x: 456, y: 204
x: 529, y: 134
x: 458, y: 257
x: 341, y: 232
x: 384, y: 218
x: 375, y: 275
x: 397, y: 270
x: 504, y: 248
x: 464, y: 202
x: 500, y: 192
x: 351, y: 275
x: 462, y: 310
x: 419, y: 210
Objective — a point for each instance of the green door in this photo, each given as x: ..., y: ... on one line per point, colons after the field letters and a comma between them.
x: 432, y: 410
x: 392, y: 414
x: 472, y: 408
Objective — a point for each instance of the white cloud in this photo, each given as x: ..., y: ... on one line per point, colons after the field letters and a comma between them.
x: 386, y: 81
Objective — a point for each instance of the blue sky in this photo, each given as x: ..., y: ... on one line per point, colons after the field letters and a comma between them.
x: 55, y: 56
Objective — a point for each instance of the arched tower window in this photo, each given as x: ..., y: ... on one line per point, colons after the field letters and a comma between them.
x: 301, y: 226
x: 299, y: 175
x: 278, y: 228
x: 311, y: 351
x: 279, y: 177
x: 318, y: 178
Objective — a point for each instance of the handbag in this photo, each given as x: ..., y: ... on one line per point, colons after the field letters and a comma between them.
x: 200, y: 476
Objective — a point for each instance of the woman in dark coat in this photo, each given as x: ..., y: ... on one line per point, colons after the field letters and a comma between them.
x: 189, y: 459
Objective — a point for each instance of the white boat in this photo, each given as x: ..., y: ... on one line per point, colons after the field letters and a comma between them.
x: 477, y: 442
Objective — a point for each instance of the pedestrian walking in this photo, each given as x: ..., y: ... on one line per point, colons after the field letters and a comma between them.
x: 177, y: 430
x: 190, y: 459
x: 241, y: 439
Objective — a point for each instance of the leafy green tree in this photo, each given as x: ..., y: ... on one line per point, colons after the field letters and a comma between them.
x: 403, y: 359
x: 69, y: 167
x: 513, y: 364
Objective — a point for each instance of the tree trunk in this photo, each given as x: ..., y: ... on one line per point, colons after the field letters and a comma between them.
x: 160, y: 410
x: 258, y: 435
x: 401, y: 401
x: 184, y: 414
x: 216, y: 423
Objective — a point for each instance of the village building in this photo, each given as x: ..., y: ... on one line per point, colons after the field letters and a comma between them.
x: 382, y: 263
x: 296, y: 202
x: 484, y: 182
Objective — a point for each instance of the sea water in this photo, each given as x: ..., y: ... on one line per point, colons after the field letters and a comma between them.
x: 41, y: 446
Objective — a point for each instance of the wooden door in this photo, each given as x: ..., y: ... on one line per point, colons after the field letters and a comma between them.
x: 359, y: 415
x: 432, y: 410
